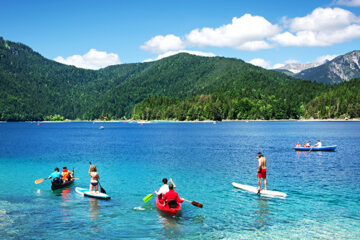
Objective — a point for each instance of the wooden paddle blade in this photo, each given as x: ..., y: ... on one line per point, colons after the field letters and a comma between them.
x: 37, y: 181
x: 196, y: 204
x: 148, y: 197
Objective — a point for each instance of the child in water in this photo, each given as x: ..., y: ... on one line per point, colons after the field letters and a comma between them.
x: 94, y: 181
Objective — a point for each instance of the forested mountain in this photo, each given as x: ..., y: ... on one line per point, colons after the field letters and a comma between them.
x: 340, y: 69
x: 340, y: 101
x: 180, y: 87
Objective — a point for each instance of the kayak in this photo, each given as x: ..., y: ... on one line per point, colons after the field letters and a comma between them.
x: 166, y: 209
x: 57, y: 185
x: 85, y: 192
x: 324, y: 148
x: 266, y: 193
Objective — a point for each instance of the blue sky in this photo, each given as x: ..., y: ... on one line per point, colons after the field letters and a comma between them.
x: 94, y: 34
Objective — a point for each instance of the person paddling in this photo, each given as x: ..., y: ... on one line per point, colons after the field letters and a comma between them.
x: 318, y: 144
x: 56, y: 175
x: 261, y: 171
x: 164, y: 188
x: 94, y: 181
x: 171, y: 198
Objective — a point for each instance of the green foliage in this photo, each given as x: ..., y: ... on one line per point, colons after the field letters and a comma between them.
x: 340, y: 101
x: 54, y: 118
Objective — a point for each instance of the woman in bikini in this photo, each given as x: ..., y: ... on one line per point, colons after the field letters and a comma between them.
x: 94, y: 181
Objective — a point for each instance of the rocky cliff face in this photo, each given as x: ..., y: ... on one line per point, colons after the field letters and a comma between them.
x: 340, y: 69
x: 298, y: 67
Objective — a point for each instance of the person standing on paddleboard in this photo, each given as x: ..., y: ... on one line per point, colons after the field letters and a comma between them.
x: 261, y: 171
x: 94, y: 181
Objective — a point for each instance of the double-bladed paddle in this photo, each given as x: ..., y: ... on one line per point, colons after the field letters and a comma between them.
x: 101, y: 188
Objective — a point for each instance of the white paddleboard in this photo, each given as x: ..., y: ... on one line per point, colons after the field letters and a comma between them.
x: 85, y: 192
x: 267, y: 193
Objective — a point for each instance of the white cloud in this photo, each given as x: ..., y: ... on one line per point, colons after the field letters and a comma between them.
x: 246, y: 33
x: 323, y: 27
x: 323, y: 59
x: 260, y: 62
x: 352, y: 3
x: 93, y: 59
x: 324, y: 19
x: 159, y: 44
x: 170, y: 53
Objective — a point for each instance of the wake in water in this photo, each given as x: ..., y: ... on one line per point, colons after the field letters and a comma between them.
x: 139, y: 208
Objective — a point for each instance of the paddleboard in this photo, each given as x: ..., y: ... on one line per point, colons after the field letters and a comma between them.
x: 85, y: 192
x: 267, y: 193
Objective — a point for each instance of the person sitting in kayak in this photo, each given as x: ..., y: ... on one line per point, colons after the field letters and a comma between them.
x: 164, y: 188
x: 318, y: 144
x: 171, y: 198
x: 94, y: 181
x: 298, y: 145
x: 308, y: 144
x: 56, y: 175
x: 66, y: 174
x: 261, y: 171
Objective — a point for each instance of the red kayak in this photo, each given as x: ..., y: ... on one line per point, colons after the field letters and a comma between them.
x: 166, y: 209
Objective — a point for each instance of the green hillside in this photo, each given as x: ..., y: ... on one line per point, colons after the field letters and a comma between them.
x: 180, y: 87
x: 340, y: 101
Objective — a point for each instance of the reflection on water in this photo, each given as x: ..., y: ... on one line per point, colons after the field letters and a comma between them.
x: 94, y: 208
x: 170, y: 223
x: 261, y: 213
x: 65, y: 212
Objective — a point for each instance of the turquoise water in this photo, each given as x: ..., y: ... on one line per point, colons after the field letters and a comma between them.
x: 202, y: 158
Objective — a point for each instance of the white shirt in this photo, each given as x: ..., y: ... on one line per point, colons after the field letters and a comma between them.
x: 163, y: 189
x: 318, y: 144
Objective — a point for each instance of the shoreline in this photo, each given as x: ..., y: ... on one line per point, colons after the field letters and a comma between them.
x: 196, y: 121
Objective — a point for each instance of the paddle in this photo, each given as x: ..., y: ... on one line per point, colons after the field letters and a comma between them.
x: 311, y: 148
x: 40, y: 180
x: 101, y: 188
x: 196, y: 204
x: 148, y: 197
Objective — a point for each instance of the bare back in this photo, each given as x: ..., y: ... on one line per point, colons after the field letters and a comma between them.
x: 94, y: 176
x: 262, y: 162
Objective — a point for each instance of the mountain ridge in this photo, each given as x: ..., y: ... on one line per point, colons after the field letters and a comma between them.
x: 204, y: 87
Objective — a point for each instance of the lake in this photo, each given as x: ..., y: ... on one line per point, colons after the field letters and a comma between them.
x: 202, y: 158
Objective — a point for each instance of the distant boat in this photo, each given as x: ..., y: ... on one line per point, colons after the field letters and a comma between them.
x: 39, y: 124
x: 101, y: 127
x: 214, y: 122
x: 324, y: 148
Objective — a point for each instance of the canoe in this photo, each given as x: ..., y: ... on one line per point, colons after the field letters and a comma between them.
x: 266, y: 193
x: 85, y: 192
x: 166, y: 209
x: 324, y: 148
x: 57, y: 185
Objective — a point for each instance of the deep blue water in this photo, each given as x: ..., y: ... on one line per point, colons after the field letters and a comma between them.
x: 203, y: 159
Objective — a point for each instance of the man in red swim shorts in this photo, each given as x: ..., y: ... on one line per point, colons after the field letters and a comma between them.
x: 261, y: 171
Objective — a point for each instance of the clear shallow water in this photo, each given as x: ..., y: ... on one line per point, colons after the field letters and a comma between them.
x: 203, y: 159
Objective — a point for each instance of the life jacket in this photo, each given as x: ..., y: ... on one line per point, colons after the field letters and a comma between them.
x: 65, y: 174
x: 298, y: 145
x: 304, y: 145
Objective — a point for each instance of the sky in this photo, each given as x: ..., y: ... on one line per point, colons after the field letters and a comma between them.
x: 94, y: 34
